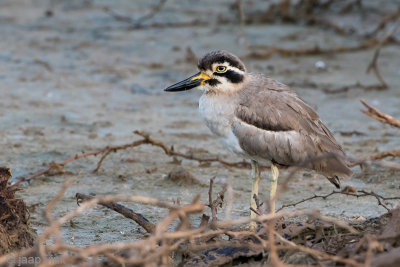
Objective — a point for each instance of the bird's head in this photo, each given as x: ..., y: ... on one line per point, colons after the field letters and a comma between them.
x: 220, y: 71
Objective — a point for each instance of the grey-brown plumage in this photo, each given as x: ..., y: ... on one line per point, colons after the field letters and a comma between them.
x: 280, y: 127
x: 261, y: 119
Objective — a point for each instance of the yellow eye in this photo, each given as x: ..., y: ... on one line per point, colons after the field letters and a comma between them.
x: 220, y: 69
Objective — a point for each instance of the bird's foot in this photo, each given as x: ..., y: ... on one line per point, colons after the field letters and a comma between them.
x: 252, y: 226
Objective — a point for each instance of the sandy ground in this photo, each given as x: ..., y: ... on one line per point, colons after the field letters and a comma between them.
x: 80, y: 80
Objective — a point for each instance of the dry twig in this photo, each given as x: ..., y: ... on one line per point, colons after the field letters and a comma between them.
x: 382, y: 24
x: 214, y: 204
x: 128, y: 213
x: 171, y: 152
x: 327, y: 88
x: 136, y: 23
x: 258, y: 205
x: 242, y: 19
x: 379, y: 156
x: 267, y: 52
x: 378, y: 115
x: 360, y: 193
x: 373, y: 65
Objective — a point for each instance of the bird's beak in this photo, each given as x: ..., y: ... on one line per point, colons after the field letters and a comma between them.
x: 189, y: 83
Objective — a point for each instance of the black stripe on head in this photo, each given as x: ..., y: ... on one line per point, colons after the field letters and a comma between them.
x: 212, y: 82
x: 210, y: 58
x: 231, y: 75
x: 232, y: 61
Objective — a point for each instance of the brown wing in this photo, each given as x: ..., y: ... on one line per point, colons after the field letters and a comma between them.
x: 273, y: 123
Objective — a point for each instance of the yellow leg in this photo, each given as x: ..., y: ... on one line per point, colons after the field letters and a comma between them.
x: 274, y: 183
x: 255, y: 176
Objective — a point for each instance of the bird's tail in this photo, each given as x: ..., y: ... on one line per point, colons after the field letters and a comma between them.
x: 335, y: 181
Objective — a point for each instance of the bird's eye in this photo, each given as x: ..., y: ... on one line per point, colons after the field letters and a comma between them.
x: 221, y: 69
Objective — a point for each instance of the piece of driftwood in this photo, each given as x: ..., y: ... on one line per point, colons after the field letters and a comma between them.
x: 127, y: 212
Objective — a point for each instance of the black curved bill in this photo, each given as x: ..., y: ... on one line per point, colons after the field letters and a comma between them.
x: 189, y: 83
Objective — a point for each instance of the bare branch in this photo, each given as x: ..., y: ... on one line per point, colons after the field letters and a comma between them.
x: 267, y: 52
x: 128, y: 213
x: 373, y: 65
x: 378, y: 115
x: 360, y: 193
x: 136, y: 23
x: 213, y: 204
x: 382, y: 24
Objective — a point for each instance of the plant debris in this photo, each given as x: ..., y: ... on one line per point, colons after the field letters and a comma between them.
x: 15, y: 229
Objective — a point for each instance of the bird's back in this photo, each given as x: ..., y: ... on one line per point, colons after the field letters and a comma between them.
x: 271, y: 122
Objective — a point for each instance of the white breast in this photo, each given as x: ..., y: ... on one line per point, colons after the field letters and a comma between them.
x: 218, y: 114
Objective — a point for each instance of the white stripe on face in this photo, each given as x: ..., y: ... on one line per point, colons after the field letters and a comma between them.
x: 228, y: 67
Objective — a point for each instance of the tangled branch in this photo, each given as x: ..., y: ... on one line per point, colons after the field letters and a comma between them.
x: 358, y: 194
x: 158, y: 247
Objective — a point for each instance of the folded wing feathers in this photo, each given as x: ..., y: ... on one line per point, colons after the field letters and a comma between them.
x: 281, y: 127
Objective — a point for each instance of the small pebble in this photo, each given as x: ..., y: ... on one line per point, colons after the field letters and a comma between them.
x: 320, y: 65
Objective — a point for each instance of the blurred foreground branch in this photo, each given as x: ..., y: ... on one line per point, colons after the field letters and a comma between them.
x: 219, y: 243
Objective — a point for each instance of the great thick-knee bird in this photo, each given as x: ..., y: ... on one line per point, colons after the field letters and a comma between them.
x: 263, y: 120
